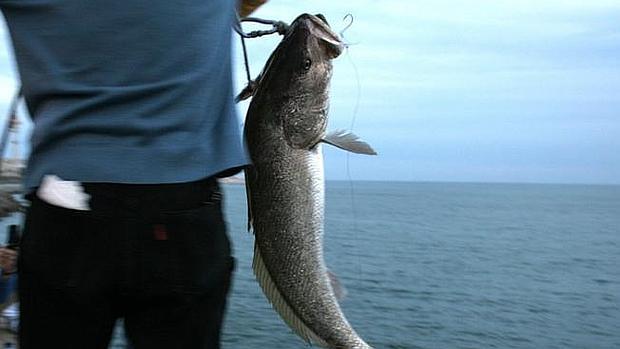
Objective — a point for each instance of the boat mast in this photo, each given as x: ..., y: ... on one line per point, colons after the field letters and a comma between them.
x: 11, y: 125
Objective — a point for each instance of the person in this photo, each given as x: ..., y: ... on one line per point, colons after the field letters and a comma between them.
x: 133, y: 114
x: 8, y: 285
x: 8, y: 279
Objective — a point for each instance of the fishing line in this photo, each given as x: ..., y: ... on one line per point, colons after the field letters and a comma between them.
x: 355, y: 71
x: 348, y: 154
x: 245, y: 60
x: 277, y: 27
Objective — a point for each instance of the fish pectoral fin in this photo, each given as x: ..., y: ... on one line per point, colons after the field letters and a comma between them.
x: 348, y: 141
x: 248, y: 200
x: 339, y: 291
x: 247, y: 92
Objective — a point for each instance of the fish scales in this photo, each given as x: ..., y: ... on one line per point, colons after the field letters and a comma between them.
x: 286, y: 120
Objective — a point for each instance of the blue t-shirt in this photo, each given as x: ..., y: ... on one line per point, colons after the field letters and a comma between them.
x: 127, y: 91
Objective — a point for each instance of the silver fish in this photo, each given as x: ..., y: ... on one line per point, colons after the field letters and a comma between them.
x: 284, y: 129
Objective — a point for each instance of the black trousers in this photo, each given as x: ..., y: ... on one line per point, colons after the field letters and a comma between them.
x: 157, y: 256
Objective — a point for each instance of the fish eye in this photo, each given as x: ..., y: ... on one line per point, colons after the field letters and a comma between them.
x: 307, y: 64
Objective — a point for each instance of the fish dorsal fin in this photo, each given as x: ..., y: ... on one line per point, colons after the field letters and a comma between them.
x: 280, y: 304
x: 348, y: 141
x: 247, y: 92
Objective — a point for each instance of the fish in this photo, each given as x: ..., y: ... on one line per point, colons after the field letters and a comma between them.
x: 284, y: 130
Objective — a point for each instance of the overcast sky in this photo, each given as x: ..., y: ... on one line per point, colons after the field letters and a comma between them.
x: 488, y: 91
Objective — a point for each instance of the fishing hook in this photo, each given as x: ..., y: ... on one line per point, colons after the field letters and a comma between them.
x: 350, y: 16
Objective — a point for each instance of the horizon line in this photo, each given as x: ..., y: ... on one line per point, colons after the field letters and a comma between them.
x: 425, y: 181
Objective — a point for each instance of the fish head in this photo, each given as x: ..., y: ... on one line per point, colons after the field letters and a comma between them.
x: 297, y: 77
x: 313, y: 33
x: 302, y: 61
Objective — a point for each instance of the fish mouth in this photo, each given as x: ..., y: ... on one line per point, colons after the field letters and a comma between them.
x: 319, y: 28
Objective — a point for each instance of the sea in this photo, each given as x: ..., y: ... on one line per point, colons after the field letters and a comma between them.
x: 452, y: 265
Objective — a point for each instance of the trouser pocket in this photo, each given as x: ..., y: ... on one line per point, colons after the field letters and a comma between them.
x: 185, y: 251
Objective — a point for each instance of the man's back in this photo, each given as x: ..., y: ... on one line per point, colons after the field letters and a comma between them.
x: 127, y: 91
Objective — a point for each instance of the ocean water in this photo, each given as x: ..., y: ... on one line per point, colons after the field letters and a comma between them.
x: 449, y: 265
x: 442, y: 265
